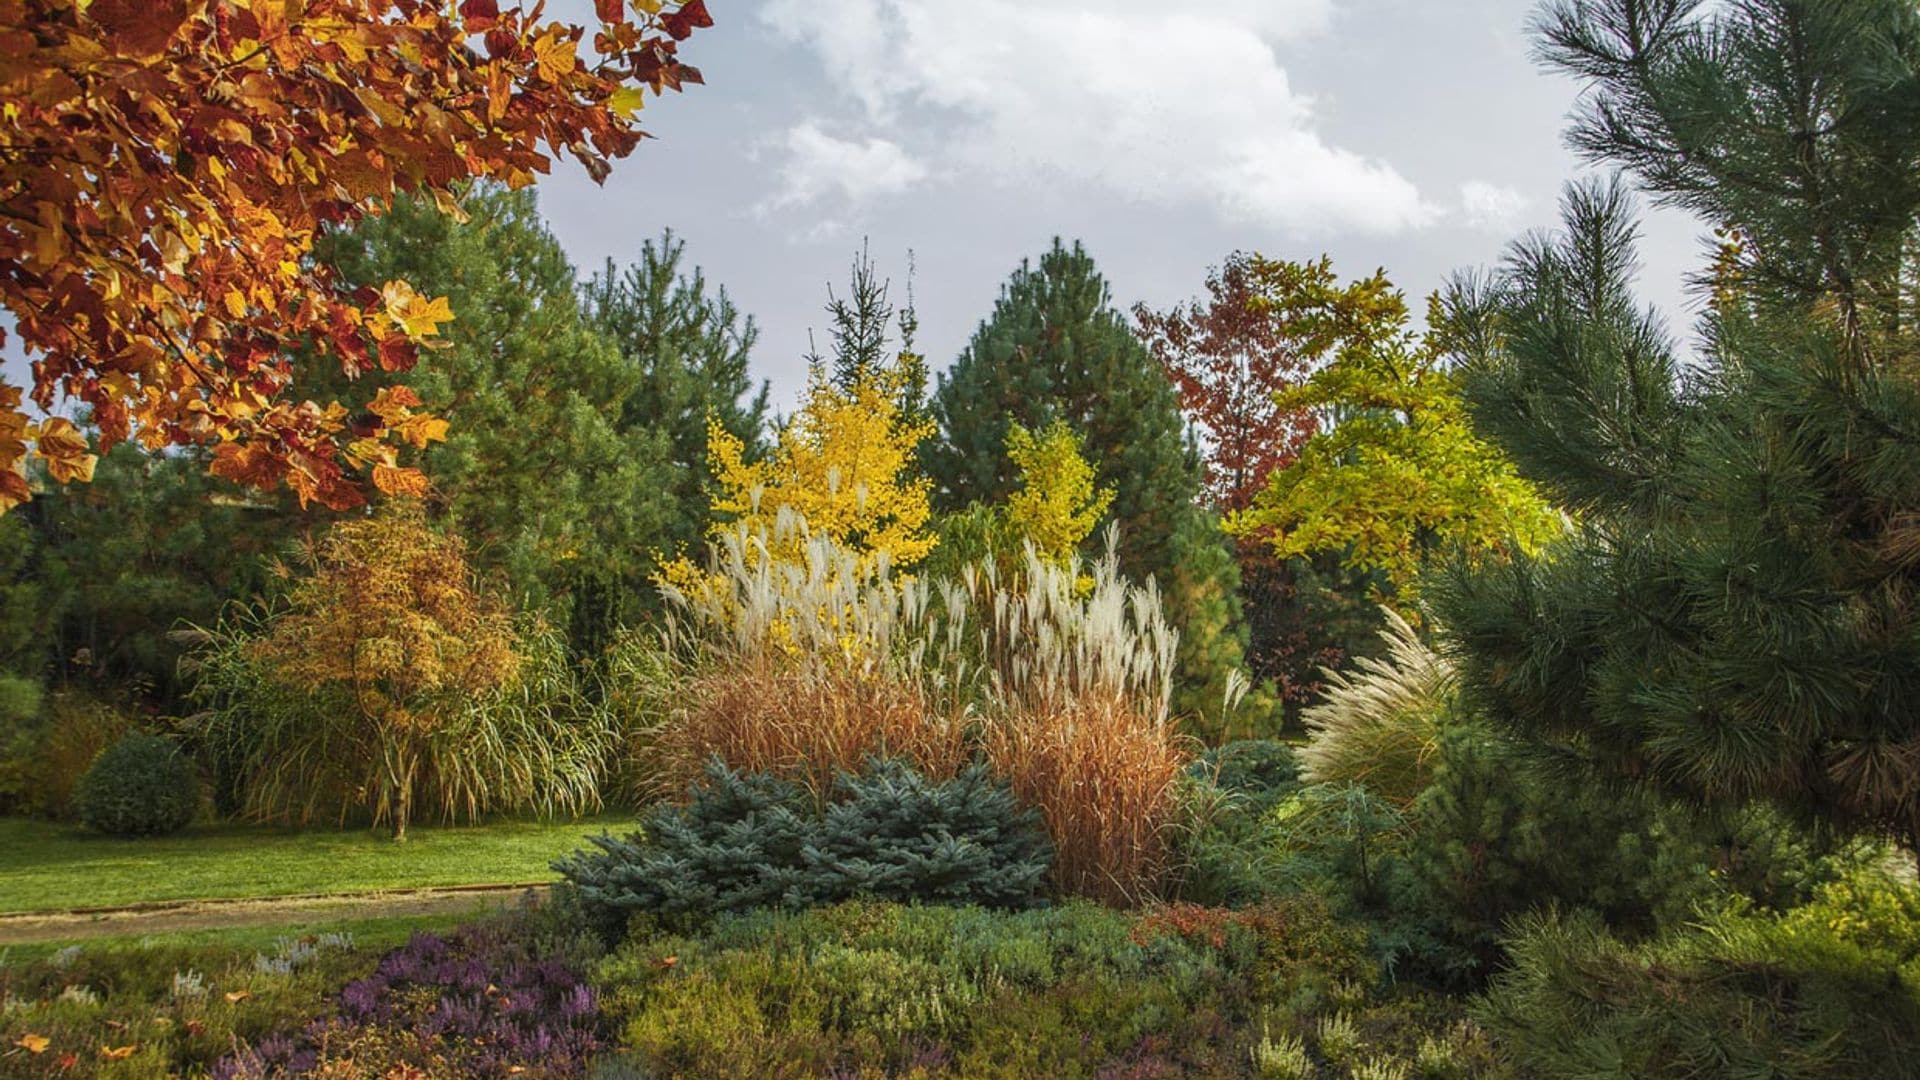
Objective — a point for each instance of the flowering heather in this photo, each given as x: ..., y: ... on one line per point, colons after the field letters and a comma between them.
x: 474, y: 1003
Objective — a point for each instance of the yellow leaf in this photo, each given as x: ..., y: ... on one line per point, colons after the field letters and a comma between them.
x: 117, y: 1053
x: 416, y: 316
x: 236, y: 303
x: 234, y: 997
x: 33, y: 1044
x: 627, y: 100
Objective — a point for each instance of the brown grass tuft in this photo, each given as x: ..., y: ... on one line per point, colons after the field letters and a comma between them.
x: 805, y: 724
x: 1103, y: 777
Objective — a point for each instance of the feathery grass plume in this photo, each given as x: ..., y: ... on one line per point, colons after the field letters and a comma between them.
x: 1379, y: 725
x: 802, y: 668
x: 1080, y: 672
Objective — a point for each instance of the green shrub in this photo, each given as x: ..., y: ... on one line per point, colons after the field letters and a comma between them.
x: 744, y: 842
x: 141, y: 786
x: 1830, y: 989
x: 1258, y: 773
x: 876, y: 989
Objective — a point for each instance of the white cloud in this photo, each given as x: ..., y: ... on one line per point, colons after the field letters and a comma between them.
x: 1493, y: 207
x: 1158, y: 104
x: 819, y: 165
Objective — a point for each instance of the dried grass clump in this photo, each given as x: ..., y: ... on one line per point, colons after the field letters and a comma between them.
x: 797, y: 668
x: 1103, y: 777
x: 805, y: 725
x: 1080, y: 668
x: 1380, y: 725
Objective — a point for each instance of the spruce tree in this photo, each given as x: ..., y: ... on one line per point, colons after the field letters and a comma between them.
x: 1737, y: 613
x: 1055, y: 348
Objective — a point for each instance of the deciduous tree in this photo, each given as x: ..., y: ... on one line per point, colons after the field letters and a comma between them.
x: 166, y: 165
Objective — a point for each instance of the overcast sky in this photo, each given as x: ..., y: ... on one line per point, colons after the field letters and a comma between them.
x: 1414, y: 135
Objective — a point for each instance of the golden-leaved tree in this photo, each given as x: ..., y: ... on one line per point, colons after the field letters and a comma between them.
x: 844, y: 463
x: 1056, y: 506
x: 1396, y: 474
x: 165, y: 166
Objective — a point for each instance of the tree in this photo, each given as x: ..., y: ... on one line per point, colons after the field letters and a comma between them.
x: 1734, y: 615
x: 168, y: 164
x: 389, y: 625
x: 571, y: 517
x: 1396, y: 476
x: 1056, y: 507
x: 120, y: 563
x: 1264, y: 326
x: 1055, y: 349
x: 844, y: 464
x: 860, y: 325
x: 688, y: 347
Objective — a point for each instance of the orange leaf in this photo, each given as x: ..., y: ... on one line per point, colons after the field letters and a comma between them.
x: 400, y: 481
x: 66, y: 451
x: 33, y: 1044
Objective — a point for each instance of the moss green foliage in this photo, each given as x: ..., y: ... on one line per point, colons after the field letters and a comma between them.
x: 744, y: 842
x: 140, y: 786
x: 1825, y: 990
x: 1071, y: 991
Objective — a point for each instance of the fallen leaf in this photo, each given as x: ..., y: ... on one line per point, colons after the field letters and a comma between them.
x: 33, y: 1044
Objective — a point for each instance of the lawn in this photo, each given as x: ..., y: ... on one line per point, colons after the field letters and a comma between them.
x: 48, y: 867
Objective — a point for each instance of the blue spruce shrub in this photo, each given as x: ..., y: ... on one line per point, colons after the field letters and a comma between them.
x: 743, y: 842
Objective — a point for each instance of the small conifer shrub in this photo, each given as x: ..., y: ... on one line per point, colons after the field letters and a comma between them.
x: 749, y: 841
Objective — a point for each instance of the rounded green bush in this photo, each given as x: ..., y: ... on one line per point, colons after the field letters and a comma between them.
x: 141, y: 786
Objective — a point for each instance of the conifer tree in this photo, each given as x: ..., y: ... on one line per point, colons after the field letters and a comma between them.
x: 1055, y: 348
x: 1737, y: 615
x: 688, y: 346
x: 576, y: 510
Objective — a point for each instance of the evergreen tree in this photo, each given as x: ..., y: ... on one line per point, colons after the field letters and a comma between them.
x: 688, y: 346
x: 1056, y: 349
x: 1737, y: 615
x: 108, y: 570
x: 555, y: 478
x: 860, y: 327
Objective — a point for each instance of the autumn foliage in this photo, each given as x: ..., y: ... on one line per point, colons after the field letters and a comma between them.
x: 165, y: 166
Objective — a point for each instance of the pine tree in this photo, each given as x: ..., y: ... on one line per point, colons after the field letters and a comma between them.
x: 689, y: 347
x: 1055, y: 348
x: 860, y: 329
x: 558, y: 466
x: 1737, y: 615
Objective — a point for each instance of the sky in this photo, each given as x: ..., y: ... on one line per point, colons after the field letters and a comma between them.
x: 1416, y: 136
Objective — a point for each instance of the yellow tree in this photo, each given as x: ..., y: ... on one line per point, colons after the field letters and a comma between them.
x: 1056, y: 506
x: 844, y: 463
x: 1396, y: 472
x: 389, y: 622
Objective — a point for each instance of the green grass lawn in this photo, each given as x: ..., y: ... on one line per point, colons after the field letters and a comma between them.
x: 49, y: 867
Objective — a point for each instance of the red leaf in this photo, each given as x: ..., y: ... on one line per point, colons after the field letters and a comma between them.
x: 138, y: 27
x: 691, y: 16
x: 479, y: 14
x: 611, y: 11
